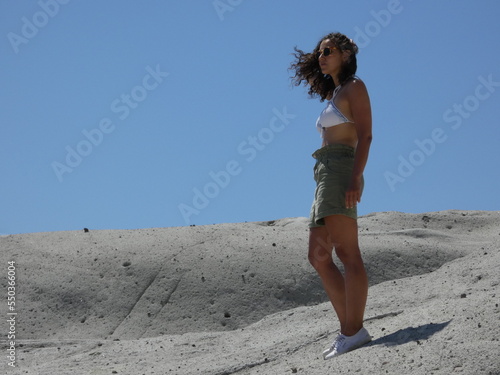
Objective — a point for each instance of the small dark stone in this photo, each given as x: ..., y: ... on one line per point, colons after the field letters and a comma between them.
x: 86, y: 230
x: 274, y: 244
x: 463, y: 295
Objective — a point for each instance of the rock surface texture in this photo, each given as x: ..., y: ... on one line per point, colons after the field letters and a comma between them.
x: 243, y: 299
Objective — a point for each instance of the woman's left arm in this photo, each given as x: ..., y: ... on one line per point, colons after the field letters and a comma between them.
x: 362, y: 116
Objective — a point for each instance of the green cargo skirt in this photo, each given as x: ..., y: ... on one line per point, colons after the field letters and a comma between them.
x: 332, y: 173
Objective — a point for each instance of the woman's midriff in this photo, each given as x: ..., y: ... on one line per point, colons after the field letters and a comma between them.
x: 343, y: 133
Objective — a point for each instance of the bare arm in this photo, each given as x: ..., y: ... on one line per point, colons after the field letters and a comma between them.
x: 359, y: 102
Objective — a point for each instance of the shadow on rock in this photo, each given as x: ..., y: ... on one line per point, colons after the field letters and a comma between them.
x: 404, y: 336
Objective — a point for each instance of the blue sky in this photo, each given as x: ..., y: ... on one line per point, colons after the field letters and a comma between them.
x: 136, y: 114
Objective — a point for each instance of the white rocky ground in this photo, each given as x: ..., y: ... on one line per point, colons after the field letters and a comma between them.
x: 243, y: 299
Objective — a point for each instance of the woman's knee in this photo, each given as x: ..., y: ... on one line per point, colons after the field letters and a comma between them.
x: 319, y: 259
x: 320, y: 249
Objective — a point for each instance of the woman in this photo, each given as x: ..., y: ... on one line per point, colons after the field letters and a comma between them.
x: 346, y: 129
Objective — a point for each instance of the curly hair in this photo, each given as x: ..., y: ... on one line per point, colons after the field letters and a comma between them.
x: 307, y: 68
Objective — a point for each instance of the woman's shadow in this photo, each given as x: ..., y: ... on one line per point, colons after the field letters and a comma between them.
x: 410, y: 334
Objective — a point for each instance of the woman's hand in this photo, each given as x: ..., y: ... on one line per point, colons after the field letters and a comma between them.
x: 353, y: 193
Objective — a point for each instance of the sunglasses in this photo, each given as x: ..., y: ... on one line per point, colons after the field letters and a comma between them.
x: 325, y: 52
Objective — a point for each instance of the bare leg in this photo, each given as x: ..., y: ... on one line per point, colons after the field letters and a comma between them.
x: 348, y: 293
x: 344, y: 231
x: 320, y: 256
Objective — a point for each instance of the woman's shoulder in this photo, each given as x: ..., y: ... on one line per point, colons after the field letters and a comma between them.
x: 355, y: 85
x: 355, y: 81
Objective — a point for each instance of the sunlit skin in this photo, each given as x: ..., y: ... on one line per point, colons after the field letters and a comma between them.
x: 347, y: 292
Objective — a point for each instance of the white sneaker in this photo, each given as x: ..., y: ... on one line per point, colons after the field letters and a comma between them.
x: 327, y: 351
x: 344, y: 344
